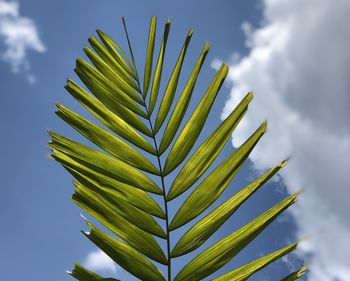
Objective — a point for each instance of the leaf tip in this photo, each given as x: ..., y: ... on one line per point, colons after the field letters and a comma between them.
x: 58, y: 105
x: 84, y: 218
x: 250, y: 95
x: 299, y: 192
x: 86, y: 233
x: 87, y: 50
x: 206, y: 47
x: 190, y: 32
x: 69, y: 82
x: 263, y: 126
x: 284, y: 163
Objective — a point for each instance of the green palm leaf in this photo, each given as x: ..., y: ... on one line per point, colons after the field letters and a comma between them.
x: 115, y: 94
x: 158, y: 71
x: 215, y: 183
x: 117, y: 52
x: 295, y: 275
x: 182, y: 104
x: 114, y: 68
x: 194, y: 125
x: 82, y: 274
x: 125, y: 255
x: 169, y: 93
x: 245, y: 271
x: 117, y: 176
x: 149, y: 55
x: 204, y: 228
x: 202, y: 158
x: 217, y: 255
x: 109, y: 142
x: 118, y: 218
x: 74, y: 152
x: 133, y: 65
x: 116, y: 121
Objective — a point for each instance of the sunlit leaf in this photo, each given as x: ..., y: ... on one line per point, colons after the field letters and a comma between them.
x: 243, y: 272
x: 120, y: 119
x: 116, y: 51
x: 217, y: 255
x: 181, y: 106
x: 117, y: 219
x: 82, y: 274
x: 207, y: 226
x: 123, y: 254
x: 109, y: 142
x: 105, y: 90
x: 170, y: 89
x: 158, y: 70
x: 207, y: 152
x: 149, y: 55
x: 296, y: 274
x: 103, y: 163
x: 120, y: 174
x: 194, y: 125
x: 110, y: 188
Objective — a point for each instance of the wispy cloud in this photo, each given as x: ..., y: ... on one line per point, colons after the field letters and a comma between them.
x: 99, y: 261
x: 18, y: 34
x: 299, y: 69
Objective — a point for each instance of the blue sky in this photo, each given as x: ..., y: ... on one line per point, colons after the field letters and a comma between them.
x: 40, y: 235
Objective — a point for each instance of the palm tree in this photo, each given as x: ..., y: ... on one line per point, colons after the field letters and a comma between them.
x: 114, y: 180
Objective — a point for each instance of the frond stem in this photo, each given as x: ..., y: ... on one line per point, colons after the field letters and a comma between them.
x: 163, y: 188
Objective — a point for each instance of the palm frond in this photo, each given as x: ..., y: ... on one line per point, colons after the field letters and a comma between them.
x: 82, y: 274
x: 116, y: 178
x: 296, y: 274
x: 245, y: 271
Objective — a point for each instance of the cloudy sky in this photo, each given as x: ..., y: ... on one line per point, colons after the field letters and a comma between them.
x: 292, y: 54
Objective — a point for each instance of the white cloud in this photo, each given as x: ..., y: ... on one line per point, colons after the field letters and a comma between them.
x: 299, y: 69
x: 99, y: 261
x: 18, y: 34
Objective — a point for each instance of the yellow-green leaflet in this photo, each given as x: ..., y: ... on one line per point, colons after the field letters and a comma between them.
x: 108, y: 187
x: 129, y: 212
x: 105, y: 164
x: 204, y: 156
x: 182, y: 103
x: 149, y: 55
x: 169, y: 93
x: 82, y: 274
x: 217, y: 255
x: 116, y: 51
x: 114, y: 78
x: 107, y: 57
x: 243, y: 272
x: 296, y: 274
x: 158, y: 70
x: 123, y: 129
x: 207, y: 226
x: 133, y: 65
x: 104, y: 96
x: 107, y: 141
x: 215, y: 183
x: 91, y: 76
x: 123, y: 254
x: 118, y: 221
x: 194, y: 125
x: 110, y: 119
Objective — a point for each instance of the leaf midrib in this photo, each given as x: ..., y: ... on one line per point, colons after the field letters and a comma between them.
x: 163, y: 186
